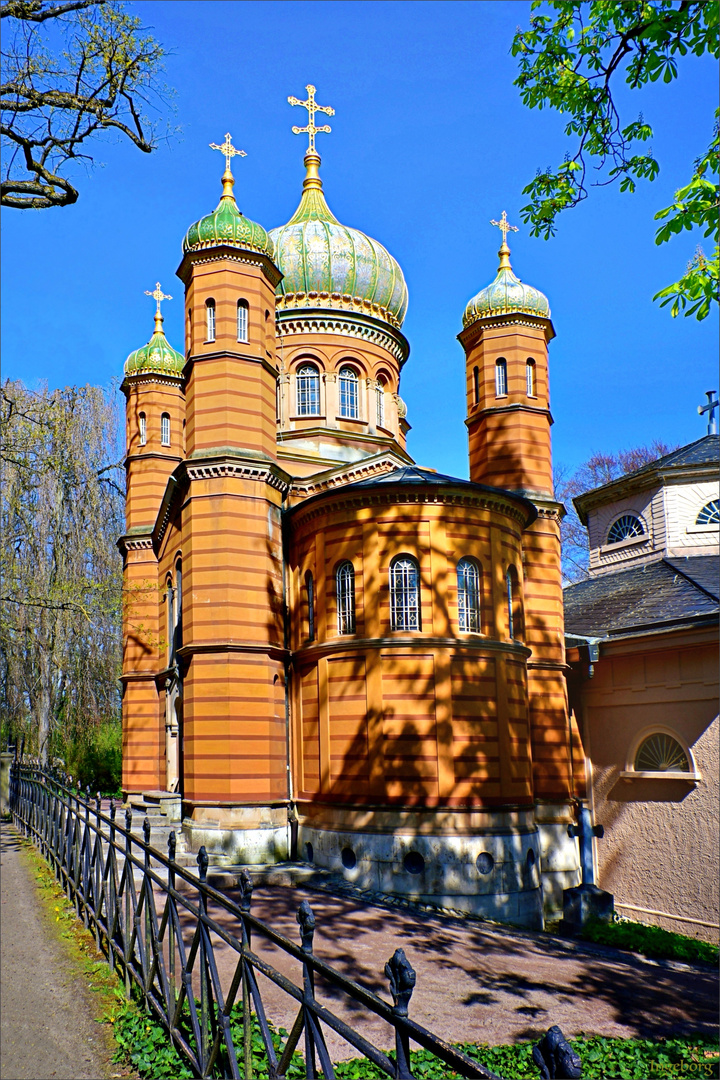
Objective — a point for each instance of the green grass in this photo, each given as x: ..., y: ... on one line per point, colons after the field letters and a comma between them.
x: 651, y: 941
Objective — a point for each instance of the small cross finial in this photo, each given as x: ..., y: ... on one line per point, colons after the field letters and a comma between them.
x: 312, y: 108
x: 504, y: 227
x: 158, y: 295
x: 712, y: 405
x: 228, y: 150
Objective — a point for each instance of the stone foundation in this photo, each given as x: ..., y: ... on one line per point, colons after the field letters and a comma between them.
x: 559, y: 855
x: 240, y: 834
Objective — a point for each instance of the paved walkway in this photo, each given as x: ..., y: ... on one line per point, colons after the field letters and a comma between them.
x: 47, y: 1030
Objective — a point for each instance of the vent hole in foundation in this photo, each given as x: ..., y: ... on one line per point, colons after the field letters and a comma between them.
x: 485, y: 863
x: 309, y: 852
x: 414, y: 862
x: 530, y: 859
x: 349, y: 858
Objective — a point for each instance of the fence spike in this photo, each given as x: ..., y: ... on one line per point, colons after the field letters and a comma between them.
x: 172, y: 846
x: 202, y: 861
x: 128, y: 818
x: 306, y: 919
x: 146, y: 830
x: 401, y: 976
x: 245, y: 885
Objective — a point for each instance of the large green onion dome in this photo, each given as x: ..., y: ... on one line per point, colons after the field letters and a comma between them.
x: 158, y: 356
x: 506, y: 294
x: 329, y: 265
x: 227, y: 226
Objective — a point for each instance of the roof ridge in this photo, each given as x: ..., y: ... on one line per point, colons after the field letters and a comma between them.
x: 679, y: 570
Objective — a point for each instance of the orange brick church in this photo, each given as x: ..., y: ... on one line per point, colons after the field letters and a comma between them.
x: 330, y: 653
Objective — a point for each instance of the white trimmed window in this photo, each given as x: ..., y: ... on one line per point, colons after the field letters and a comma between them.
x: 500, y: 378
x: 242, y: 320
x: 624, y: 528
x: 404, y: 593
x: 142, y: 429
x: 345, y: 592
x: 165, y: 429
x: 530, y: 377
x: 510, y: 613
x: 468, y: 584
x: 310, y: 597
x: 349, y: 396
x: 308, y: 390
x: 710, y: 514
x: 380, y: 404
x: 210, y: 320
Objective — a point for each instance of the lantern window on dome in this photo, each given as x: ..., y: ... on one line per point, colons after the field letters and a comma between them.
x: 165, y: 429
x: 243, y: 313
x: 210, y: 320
x: 142, y: 429
x: 349, y: 397
x: 308, y: 390
x: 501, y: 378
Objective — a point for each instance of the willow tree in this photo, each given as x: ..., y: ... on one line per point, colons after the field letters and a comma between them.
x: 62, y: 507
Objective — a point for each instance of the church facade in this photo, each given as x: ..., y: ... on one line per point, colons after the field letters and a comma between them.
x: 330, y: 653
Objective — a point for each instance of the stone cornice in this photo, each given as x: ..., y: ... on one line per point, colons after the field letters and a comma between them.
x: 469, y: 335
x: 224, y: 252
x: 165, y: 378
x: 135, y: 540
x: 306, y: 487
x: 308, y: 320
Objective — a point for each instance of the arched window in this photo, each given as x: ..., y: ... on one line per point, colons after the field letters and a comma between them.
x: 710, y: 514
x: 308, y: 390
x: 310, y: 598
x: 514, y: 610
x: 210, y: 317
x: 189, y: 331
x: 165, y: 429
x: 242, y: 320
x: 626, y: 526
x: 476, y: 385
x: 170, y: 600
x: 404, y: 593
x: 345, y: 592
x: 661, y: 753
x: 500, y: 378
x: 380, y: 403
x: 178, y: 604
x: 142, y: 429
x: 468, y: 584
x: 530, y: 377
x: 349, y: 393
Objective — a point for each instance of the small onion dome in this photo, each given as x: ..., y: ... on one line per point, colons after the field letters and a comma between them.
x: 227, y: 226
x: 506, y: 294
x: 157, y: 356
x: 329, y: 265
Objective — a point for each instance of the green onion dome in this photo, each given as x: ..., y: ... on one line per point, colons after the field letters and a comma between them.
x: 506, y: 294
x: 227, y: 226
x: 329, y: 265
x: 157, y: 356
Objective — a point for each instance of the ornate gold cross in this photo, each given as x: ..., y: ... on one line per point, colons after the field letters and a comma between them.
x: 228, y: 150
x: 158, y: 295
x: 312, y: 108
x: 502, y: 224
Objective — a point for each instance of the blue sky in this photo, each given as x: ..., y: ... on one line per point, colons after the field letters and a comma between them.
x: 430, y: 141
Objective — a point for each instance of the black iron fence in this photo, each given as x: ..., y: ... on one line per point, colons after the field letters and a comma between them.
x: 162, y: 927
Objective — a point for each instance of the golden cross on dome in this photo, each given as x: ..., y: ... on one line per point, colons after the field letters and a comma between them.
x: 228, y: 150
x: 504, y: 227
x: 158, y: 295
x: 312, y: 107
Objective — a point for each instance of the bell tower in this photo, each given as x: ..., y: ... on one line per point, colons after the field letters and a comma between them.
x: 507, y: 329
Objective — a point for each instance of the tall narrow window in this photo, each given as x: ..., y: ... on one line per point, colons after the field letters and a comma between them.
x: 500, y: 378
x: 380, y: 404
x: 404, y: 593
x: 178, y: 604
x: 510, y: 613
x: 349, y: 393
x: 468, y: 584
x: 142, y: 428
x: 165, y: 429
x: 530, y: 377
x: 514, y: 606
x: 345, y: 591
x: 170, y: 601
x: 476, y: 385
x: 210, y: 315
x: 310, y: 597
x: 242, y: 320
x: 308, y: 390
x: 188, y: 345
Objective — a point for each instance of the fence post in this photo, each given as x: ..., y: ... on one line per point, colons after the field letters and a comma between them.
x: 147, y: 885
x: 202, y: 861
x: 246, y: 890
x: 172, y: 849
x: 129, y: 884
x: 401, y: 977
x: 306, y: 919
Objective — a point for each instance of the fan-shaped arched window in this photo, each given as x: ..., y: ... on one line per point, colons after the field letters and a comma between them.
x: 243, y: 312
x: 468, y: 585
x: 625, y: 527
x: 661, y: 753
x: 710, y: 514
x: 500, y: 378
x: 349, y: 404
x: 310, y: 598
x: 142, y: 429
x: 345, y: 592
x: 165, y: 429
x: 404, y: 593
x: 308, y: 390
x: 210, y: 320
x: 530, y: 377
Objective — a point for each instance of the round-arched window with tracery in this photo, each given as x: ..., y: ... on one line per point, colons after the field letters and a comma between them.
x: 625, y: 527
